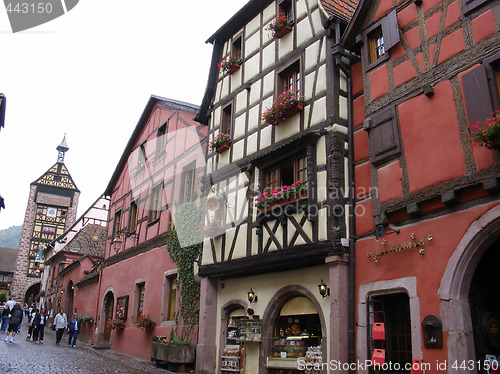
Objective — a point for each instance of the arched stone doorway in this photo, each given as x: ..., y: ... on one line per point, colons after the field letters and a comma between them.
x: 70, y: 297
x: 30, y: 296
x: 272, y: 316
x: 109, y: 304
x: 455, y: 288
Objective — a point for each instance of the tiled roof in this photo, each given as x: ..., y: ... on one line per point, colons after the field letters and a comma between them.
x: 8, y: 257
x: 343, y: 9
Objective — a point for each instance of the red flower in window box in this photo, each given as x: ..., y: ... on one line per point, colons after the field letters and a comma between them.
x: 145, y: 322
x: 280, y: 25
x: 287, y: 194
x: 229, y: 64
x: 220, y: 143
x: 487, y: 134
x: 286, y: 105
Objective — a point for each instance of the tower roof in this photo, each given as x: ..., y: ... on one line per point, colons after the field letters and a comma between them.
x: 62, y: 148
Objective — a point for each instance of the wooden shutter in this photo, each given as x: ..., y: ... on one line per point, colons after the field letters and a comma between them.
x: 390, y: 30
x: 472, y: 4
x: 477, y: 95
x: 383, y: 137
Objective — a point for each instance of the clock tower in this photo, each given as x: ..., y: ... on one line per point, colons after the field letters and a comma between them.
x: 52, y: 208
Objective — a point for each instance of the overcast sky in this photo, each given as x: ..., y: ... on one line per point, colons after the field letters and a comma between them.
x: 89, y: 74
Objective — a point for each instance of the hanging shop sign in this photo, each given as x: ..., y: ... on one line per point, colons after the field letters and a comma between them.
x: 413, y: 243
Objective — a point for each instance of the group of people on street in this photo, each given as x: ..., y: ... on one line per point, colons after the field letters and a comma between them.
x: 73, y: 326
x: 12, y: 316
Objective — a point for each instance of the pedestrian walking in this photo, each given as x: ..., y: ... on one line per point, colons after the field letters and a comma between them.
x: 39, y: 323
x: 60, y: 323
x: 16, y: 317
x: 73, y: 329
x: 31, y: 316
x: 5, y: 317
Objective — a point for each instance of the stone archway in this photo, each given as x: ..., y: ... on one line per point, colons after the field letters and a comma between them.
x: 31, y: 294
x: 455, y: 284
x: 272, y: 312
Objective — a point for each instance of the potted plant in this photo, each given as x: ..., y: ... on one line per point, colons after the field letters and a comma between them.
x: 487, y: 134
x: 229, y: 64
x: 115, y: 323
x: 280, y: 25
x: 145, y: 322
x: 213, y: 228
x: 220, y: 143
x: 284, y: 195
x: 286, y: 105
x: 177, y: 353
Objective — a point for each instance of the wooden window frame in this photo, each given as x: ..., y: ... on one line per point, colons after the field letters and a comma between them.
x: 132, y: 220
x: 400, y: 326
x: 170, y: 288
x: 286, y: 7
x: 117, y: 223
x: 141, y: 293
x: 155, y: 202
x: 389, y: 31
x: 161, y: 139
x: 227, y: 119
x: 237, y: 47
x: 188, y: 171
x: 293, y: 73
x: 277, y: 168
x: 141, y: 156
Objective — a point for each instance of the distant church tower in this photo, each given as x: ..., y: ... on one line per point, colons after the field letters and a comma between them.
x: 52, y: 208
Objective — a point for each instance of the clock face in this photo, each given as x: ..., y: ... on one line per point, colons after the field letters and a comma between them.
x: 51, y: 212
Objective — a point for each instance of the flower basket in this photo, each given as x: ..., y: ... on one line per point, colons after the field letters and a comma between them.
x: 229, y: 64
x: 285, y: 106
x: 220, y: 143
x: 213, y: 229
x: 115, y: 324
x: 145, y: 322
x: 487, y: 134
x: 164, y: 350
x: 287, y: 194
x: 280, y: 25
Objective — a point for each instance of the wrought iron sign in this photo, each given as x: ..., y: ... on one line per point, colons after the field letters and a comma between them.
x: 414, y: 243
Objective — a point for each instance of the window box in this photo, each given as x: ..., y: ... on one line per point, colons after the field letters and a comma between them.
x: 285, y: 106
x: 282, y: 32
x: 233, y: 68
x: 223, y: 147
x: 229, y: 64
x: 281, y: 203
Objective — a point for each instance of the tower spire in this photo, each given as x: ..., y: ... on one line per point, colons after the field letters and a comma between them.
x: 62, y: 148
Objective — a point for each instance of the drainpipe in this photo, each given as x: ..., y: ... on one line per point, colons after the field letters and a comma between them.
x: 339, y: 52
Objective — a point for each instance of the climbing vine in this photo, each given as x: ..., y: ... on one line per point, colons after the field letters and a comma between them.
x: 183, y: 245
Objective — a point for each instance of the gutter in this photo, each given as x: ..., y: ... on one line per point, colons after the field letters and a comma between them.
x: 339, y: 53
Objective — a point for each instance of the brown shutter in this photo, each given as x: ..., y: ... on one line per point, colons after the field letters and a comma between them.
x: 383, y: 137
x: 471, y: 4
x: 390, y: 30
x: 477, y: 95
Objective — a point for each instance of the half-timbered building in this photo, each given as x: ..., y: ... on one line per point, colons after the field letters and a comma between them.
x: 158, y: 170
x: 51, y: 209
x: 427, y: 195
x: 276, y: 190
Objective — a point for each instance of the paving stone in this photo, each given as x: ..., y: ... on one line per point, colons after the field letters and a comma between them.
x: 25, y: 357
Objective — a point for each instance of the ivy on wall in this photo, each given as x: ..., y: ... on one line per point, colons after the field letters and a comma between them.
x: 183, y: 245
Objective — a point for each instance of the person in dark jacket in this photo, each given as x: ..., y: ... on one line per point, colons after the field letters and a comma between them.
x: 39, y: 323
x: 74, y: 329
x: 16, y: 317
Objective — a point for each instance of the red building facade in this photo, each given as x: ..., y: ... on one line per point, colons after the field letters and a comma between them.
x: 158, y: 170
x: 427, y: 212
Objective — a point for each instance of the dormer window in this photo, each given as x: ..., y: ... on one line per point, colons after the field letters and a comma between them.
x: 236, y: 48
x: 141, y: 156
x: 161, y: 139
x: 227, y: 119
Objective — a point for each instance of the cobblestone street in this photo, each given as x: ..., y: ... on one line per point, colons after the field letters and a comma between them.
x: 27, y: 357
